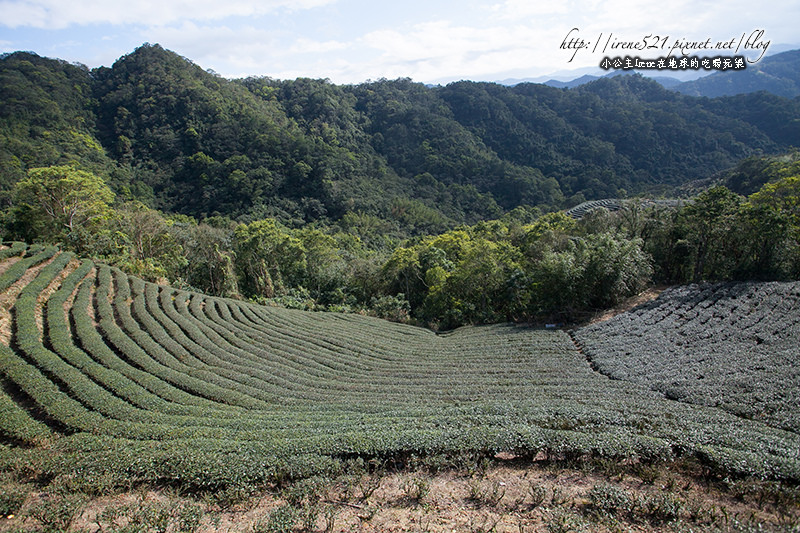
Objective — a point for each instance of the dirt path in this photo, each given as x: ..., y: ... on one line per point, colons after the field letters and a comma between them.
x: 650, y: 294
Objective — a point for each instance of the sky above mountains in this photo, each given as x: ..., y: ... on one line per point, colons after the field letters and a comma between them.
x: 351, y: 41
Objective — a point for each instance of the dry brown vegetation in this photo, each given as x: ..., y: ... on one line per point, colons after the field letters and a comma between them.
x: 628, y: 304
x: 502, y: 495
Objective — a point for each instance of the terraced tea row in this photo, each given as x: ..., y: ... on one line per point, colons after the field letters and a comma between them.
x: 735, y: 346
x: 106, y: 372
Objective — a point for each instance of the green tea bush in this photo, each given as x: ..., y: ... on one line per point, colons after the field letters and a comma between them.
x: 55, y: 512
x: 281, y: 520
x: 14, y: 249
x: 35, y: 255
x: 12, y: 497
x: 611, y: 500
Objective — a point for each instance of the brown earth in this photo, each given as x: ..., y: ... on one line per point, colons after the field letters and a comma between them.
x: 9, y: 297
x: 507, y: 496
x: 648, y: 295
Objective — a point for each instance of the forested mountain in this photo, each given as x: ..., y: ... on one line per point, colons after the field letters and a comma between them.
x: 778, y: 74
x: 160, y: 129
x: 46, y: 117
x: 665, y: 81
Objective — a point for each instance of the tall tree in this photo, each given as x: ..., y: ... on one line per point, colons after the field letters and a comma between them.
x: 61, y: 203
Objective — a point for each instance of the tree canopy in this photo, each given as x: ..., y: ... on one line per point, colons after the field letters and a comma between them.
x: 61, y: 202
x: 159, y: 129
x: 434, y: 204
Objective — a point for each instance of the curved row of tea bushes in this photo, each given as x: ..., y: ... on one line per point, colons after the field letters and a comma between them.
x: 260, y: 352
x: 140, y: 348
x: 86, y: 334
x: 13, y: 249
x: 248, y: 378
x: 16, y: 423
x: 730, y: 345
x: 34, y: 256
x: 151, y: 408
x: 98, y: 405
x: 60, y: 339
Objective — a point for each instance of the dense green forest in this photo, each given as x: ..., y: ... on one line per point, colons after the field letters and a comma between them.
x: 520, y: 267
x: 435, y: 204
x: 161, y: 130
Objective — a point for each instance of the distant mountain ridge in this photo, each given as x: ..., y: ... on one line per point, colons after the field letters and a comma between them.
x: 666, y: 81
x: 778, y: 74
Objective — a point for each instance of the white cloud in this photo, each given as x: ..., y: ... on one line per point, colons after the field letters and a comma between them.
x: 356, y: 40
x: 6, y: 46
x: 247, y: 50
x: 518, y: 9
x: 438, y: 50
x: 58, y: 14
x: 309, y: 46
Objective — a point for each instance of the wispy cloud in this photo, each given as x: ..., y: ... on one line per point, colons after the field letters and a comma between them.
x: 248, y: 50
x: 519, y: 9
x: 440, y: 50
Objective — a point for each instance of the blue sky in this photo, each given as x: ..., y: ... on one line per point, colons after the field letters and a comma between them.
x: 351, y: 41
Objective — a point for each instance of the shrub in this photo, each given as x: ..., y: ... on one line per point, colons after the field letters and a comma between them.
x: 12, y: 496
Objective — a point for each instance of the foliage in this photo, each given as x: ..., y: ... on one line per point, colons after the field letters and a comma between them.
x: 711, y: 355
x: 554, y: 267
x: 492, y: 272
x: 593, y: 272
x: 723, y: 236
x: 750, y: 174
x: 61, y: 203
x: 209, y: 258
x: 280, y: 520
x: 394, y: 308
x: 151, y: 249
x: 55, y: 512
x: 12, y: 496
x: 346, y: 197
x: 159, y: 129
x: 269, y: 259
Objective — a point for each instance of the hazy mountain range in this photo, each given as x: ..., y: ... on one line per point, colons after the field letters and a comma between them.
x: 778, y: 74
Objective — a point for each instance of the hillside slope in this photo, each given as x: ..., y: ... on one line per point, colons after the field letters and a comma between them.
x: 159, y: 128
x: 732, y: 346
x: 778, y: 74
x: 108, y: 374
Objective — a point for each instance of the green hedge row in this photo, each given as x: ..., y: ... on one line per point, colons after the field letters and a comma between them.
x: 18, y: 269
x: 180, y: 402
x: 284, y: 362
x: 139, y: 348
x: 150, y: 407
x: 16, y: 423
x: 250, y: 381
x: 206, y: 392
x: 13, y: 249
x: 271, y: 372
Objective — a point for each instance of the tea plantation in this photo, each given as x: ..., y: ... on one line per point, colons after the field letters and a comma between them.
x: 735, y: 346
x: 106, y: 376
